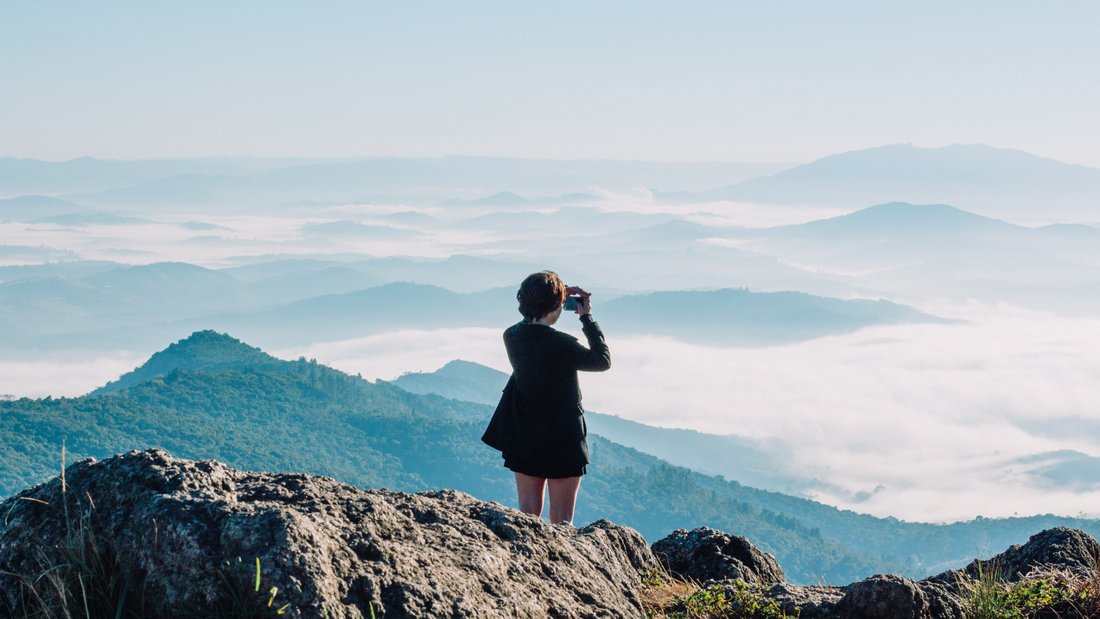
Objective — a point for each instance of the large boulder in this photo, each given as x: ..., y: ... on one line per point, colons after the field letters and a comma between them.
x: 705, y: 554
x: 1059, y: 548
x: 331, y: 549
x: 883, y: 596
x: 812, y: 602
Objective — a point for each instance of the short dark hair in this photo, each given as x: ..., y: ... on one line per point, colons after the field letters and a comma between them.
x: 540, y: 294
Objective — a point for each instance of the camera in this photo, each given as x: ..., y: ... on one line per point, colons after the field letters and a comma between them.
x: 571, y: 304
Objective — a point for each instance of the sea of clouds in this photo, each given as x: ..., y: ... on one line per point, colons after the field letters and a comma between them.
x: 919, y: 422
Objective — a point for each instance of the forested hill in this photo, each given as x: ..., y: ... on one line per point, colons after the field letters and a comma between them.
x: 210, y: 396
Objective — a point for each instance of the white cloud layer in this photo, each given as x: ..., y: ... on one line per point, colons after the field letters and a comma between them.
x: 63, y: 378
x: 928, y: 412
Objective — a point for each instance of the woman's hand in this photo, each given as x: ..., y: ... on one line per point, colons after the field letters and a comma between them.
x: 584, y: 303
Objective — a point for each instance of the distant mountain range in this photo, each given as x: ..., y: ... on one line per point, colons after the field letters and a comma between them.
x: 507, y: 198
x: 908, y: 253
x: 25, y: 208
x: 935, y: 250
x: 130, y: 306
x: 212, y: 183
x: 1001, y: 183
x: 996, y: 182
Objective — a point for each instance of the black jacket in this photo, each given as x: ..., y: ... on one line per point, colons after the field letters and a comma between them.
x: 540, y: 418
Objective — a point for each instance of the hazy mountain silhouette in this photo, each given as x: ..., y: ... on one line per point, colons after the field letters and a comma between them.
x: 572, y: 220
x: 459, y: 273
x: 739, y: 317
x: 938, y: 250
x: 723, y: 317
x: 80, y: 220
x: 126, y: 296
x: 458, y: 380
x: 72, y: 269
x: 23, y: 253
x: 992, y: 181
x: 507, y: 198
x: 34, y: 207
x: 291, y: 287
x: 356, y: 229
x: 204, y: 184
x: 1063, y: 469
x: 85, y: 174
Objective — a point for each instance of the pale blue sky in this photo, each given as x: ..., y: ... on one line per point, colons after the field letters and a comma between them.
x: 683, y: 81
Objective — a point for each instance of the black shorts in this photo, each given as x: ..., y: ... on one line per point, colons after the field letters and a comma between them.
x: 538, y: 470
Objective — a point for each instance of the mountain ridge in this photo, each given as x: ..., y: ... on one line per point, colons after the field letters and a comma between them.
x: 980, y: 178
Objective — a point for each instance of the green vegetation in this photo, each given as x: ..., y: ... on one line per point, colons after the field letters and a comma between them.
x: 83, y: 576
x: 245, y: 598
x: 1039, y: 594
x: 664, y: 597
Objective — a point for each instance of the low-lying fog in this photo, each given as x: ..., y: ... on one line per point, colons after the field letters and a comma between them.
x: 933, y: 422
x: 921, y: 422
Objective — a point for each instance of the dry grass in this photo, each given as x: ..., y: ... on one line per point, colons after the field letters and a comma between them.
x: 661, y: 592
x: 667, y: 597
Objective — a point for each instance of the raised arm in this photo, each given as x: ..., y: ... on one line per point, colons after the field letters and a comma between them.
x: 595, y: 358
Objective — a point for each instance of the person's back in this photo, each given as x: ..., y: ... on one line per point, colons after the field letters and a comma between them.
x: 539, y: 424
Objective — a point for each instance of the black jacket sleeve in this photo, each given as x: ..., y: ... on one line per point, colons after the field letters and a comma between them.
x: 595, y: 358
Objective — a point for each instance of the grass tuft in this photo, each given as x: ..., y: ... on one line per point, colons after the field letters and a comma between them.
x: 1039, y: 594
x: 666, y: 597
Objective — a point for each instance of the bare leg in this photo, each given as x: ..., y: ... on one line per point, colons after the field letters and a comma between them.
x: 563, y: 499
x: 530, y: 490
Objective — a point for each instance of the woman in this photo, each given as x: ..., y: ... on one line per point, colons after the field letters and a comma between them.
x: 539, y: 424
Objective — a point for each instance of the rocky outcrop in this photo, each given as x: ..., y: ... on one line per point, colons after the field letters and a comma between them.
x: 705, y: 554
x: 327, y: 549
x: 882, y: 596
x: 888, y: 596
x: 1060, y: 548
x: 809, y: 602
x: 331, y: 549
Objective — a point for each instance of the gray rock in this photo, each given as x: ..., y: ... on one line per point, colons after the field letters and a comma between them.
x: 943, y: 601
x: 325, y: 544
x: 883, y: 596
x: 705, y: 554
x: 1058, y: 548
x: 807, y: 602
x: 880, y: 596
x: 889, y: 596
